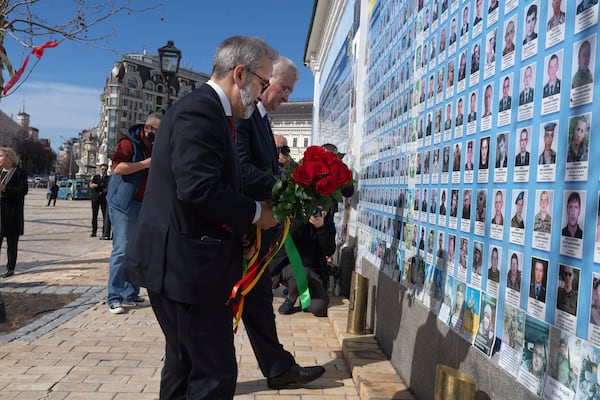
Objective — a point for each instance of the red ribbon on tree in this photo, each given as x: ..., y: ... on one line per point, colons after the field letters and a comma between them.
x: 38, y: 52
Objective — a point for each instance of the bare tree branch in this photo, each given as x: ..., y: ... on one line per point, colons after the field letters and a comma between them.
x: 24, y: 22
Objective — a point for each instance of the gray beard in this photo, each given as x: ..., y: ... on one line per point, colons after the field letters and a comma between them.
x: 248, y: 101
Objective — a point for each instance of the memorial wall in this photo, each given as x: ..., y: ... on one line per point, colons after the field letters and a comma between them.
x: 479, y: 191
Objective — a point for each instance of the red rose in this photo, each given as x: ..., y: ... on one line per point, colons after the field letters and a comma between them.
x: 332, y: 159
x: 314, y: 153
x: 340, y: 173
x: 303, y: 176
x: 325, y: 186
x: 317, y: 168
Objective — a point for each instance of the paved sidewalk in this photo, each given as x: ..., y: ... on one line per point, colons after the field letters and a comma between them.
x: 84, y: 352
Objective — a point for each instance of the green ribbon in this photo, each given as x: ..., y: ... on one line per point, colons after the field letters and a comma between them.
x: 298, y: 270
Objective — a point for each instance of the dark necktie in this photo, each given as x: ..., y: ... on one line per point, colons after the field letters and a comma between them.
x: 267, y: 123
x: 232, y: 126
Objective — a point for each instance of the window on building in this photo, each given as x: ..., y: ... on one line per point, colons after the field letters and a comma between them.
x: 295, y: 142
x: 131, y: 82
x: 305, y: 142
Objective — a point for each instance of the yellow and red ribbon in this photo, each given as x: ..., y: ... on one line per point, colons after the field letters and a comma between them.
x: 255, y: 268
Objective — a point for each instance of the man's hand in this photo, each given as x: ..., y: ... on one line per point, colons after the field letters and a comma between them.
x: 318, y: 221
x: 266, y: 219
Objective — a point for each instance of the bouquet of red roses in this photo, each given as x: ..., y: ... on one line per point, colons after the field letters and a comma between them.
x: 314, y: 182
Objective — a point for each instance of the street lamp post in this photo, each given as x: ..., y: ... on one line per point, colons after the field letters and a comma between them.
x: 169, y: 56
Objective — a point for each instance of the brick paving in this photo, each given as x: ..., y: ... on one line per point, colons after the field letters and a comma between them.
x: 82, y: 351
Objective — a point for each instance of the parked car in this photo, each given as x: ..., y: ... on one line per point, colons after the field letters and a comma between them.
x: 73, y: 189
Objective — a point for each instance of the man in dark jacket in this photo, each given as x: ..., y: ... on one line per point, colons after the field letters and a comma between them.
x: 130, y: 165
x: 99, y: 186
x: 315, y: 241
x: 259, y: 159
x: 188, y: 247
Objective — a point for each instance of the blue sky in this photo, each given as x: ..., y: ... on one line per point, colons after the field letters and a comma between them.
x: 62, y: 94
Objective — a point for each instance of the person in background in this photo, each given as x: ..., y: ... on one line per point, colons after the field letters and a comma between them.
x: 566, y: 300
x: 548, y: 156
x: 130, y: 165
x: 522, y: 159
x: 526, y: 95
x: 558, y: 16
x: 537, y: 288
x: 513, y: 278
x: 509, y: 35
x: 542, y: 222
x: 315, y: 241
x: 572, y: 229
x: 283, y: 153
x: 583, y: 76
x: 552, y: 87
x: 13, y: 188
x: 188, y: 246
x: 107, y: 226
x: 99, y: 186
x: 530, y: 21
x: 261, y: 155
x: 595, y: 308
x: 517, y: 220
x: 578, y: 148
x: 494, y: 270
x: 53, y: 194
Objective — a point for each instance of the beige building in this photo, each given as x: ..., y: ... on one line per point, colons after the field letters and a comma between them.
x: 134, y: 89
x: 294, y: 121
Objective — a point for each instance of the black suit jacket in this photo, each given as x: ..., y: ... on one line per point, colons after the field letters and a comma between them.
x: 181, y: 249
x: 518, y: 162
x: 542, y: 295
x: 100, y: 190
x: 258, y: 156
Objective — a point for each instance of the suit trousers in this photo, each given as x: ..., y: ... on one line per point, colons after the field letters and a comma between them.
x: 99, y: 203
x: 200, y: 358
x: 259, y: 321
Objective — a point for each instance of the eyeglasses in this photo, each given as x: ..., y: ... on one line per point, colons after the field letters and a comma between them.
x: 285, y: 150
x: 150, y: 128
x: 264, y: 82
x: 286, y: 90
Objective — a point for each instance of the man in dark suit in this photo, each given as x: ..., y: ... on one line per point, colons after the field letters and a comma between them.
x: 188, y: 247
x: 537, y: 289
x: 259, y: 159
x: 99, y: 186
x: 522, y: 159
x: 526, y: 95
x: 552, y: 87
x: 506, y: 100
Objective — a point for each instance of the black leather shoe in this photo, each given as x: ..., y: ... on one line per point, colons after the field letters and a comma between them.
x: 286, y: 307
x: 295, y: 377
x: 104, y: 238
x: 93, y: 235
x: 8, y: 274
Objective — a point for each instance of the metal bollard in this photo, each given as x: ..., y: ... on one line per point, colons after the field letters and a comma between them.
x: 357, y: 310
x: 452, y: 384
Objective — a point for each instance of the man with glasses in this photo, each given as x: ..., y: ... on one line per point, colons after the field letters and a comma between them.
x: 130, y: 165
x: 260, y: 154
x: 188, y: 247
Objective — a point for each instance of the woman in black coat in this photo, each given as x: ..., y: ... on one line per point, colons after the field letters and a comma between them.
x: 13, y: 188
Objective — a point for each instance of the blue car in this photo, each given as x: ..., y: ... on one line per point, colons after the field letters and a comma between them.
x: 73, y: 189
